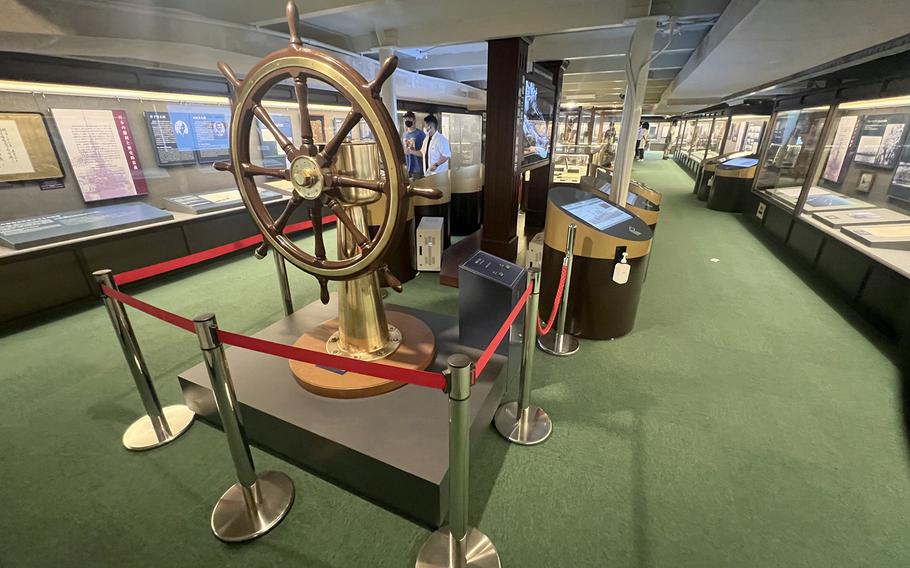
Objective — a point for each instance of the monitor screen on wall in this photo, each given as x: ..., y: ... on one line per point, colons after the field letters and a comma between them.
x: 537, y: 123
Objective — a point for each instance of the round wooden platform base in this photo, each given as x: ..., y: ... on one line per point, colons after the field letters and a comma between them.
x: 417, y: 350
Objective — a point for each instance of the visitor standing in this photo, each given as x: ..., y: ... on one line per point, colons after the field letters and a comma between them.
x: 434, y: 152
x: 413, y: 139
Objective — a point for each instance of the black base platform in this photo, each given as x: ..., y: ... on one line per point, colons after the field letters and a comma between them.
x: 391, y: 449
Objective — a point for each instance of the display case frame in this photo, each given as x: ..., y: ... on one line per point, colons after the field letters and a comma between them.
x: 823, y: 227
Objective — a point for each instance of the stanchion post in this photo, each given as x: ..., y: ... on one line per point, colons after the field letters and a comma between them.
x: 558, y: 342
x: 458, y: 545
x: 522, y: 422
x: 159, y: 425
x: 282, y: 270
x: 257, y: 502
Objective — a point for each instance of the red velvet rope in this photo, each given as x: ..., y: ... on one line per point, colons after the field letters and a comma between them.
x: 556, y: 299
x: 497, y: 339
x: 412, y: 376
x: 163, y: 315
x: 202, y: 256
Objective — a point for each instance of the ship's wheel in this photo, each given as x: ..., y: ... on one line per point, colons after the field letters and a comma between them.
x: 362, y: 329
x: 311, y: 175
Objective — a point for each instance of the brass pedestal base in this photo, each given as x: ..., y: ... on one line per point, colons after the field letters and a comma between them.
x: 439, y: 551
x: 416, y: 351
x: 141, y: 436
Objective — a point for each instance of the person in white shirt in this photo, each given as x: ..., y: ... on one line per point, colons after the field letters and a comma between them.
x: 641, y: 141
x: 435, y: 152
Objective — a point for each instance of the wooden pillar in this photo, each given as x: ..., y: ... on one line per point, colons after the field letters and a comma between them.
x: 506, y: 64
x: 537, y: 188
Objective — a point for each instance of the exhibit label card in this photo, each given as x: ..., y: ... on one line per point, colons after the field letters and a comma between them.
x: 203, y: 129
x: 102, y: 153
x: 164, y: 137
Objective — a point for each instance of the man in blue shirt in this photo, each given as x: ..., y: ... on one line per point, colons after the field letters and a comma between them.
x: 413, y: 140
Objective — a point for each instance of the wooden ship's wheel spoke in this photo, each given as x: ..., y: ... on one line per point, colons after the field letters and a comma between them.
x: 327, y: 156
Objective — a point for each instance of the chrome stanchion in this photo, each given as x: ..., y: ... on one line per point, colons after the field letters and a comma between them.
x: 558, y: 342
x: 458, y: 545
x: 522, y: 422
x: 257, y: 502
x: 160, y: 425
x: 283, y: 284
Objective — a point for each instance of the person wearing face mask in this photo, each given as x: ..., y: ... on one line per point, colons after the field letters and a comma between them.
x: 434, y: 152
x: 413, y: 139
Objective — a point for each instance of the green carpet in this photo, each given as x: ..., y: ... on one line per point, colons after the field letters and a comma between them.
x: 747, y: 421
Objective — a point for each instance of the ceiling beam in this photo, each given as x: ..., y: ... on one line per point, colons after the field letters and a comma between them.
x: 616, y: 64
x: 606, y: 42
x: 445, y: 61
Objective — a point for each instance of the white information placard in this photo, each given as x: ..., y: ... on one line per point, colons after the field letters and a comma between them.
x: 102, y: 153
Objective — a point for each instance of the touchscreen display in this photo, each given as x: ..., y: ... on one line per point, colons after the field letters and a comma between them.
x: 741, y: 162
x: 597, y: 213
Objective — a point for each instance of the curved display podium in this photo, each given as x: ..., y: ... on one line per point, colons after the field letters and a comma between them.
x: 709, y: 167
x: 732, y: 181
x: 467, y: 199
x: 598, y: 307
x: 424, y: 207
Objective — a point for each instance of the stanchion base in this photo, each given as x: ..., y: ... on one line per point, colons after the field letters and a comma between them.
x: 437, y: 551
x: 141, y: 436
x: 548, y: 343
x: 233, y: 522
x: 535, y: 429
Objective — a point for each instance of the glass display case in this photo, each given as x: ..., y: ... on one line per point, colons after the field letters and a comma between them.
x: 569, y: 168
x: 861, y: 182
x: 785, y: 164
x: 716, y: 138
x: 465, y: 132
x: 700, y: 138
x: 745, y: 133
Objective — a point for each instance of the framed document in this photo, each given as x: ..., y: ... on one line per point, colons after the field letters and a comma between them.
x: 164, y: 139
x: 317, y: 124
x: 102, y: 152
x: 26, y: 152
x: 843, y: 137
x: 880, y: 140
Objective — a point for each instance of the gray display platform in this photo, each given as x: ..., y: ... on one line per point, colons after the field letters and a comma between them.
x: 876, y: 216
x: 893, y: 236
x: 391, y: 449
x: 209, y: 201
x: 43, y: 229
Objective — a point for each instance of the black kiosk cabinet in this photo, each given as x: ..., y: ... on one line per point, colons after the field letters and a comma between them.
x: 732, y: 182
x: 467, y: 199
x: 598, y: 307
x: 709, y: 170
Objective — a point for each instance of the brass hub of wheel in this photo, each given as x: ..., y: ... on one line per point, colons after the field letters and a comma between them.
x: 306, y: 177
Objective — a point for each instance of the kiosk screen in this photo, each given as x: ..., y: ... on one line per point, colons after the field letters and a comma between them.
x: 597, y: 213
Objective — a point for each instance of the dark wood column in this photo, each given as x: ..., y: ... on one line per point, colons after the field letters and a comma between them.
x: 506, y: 64
x: 537, y: 187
